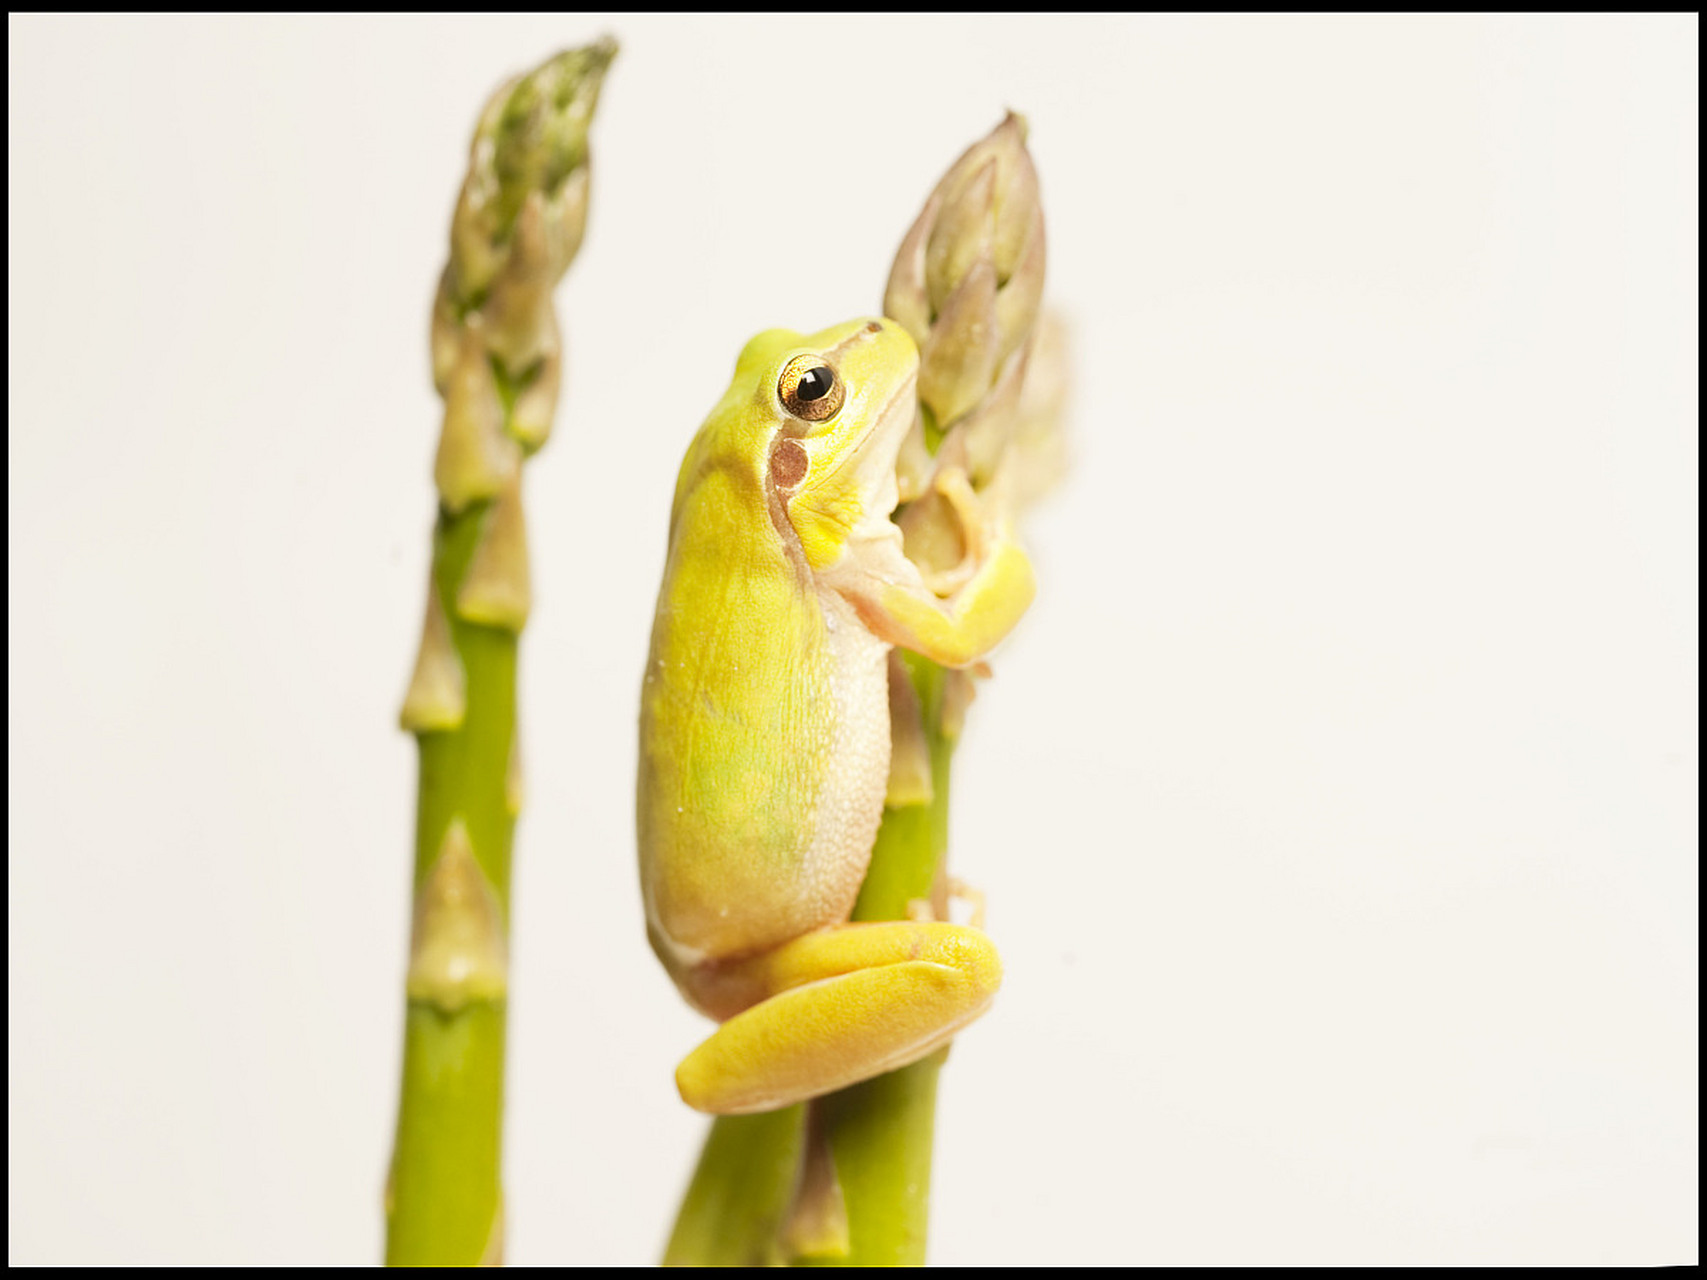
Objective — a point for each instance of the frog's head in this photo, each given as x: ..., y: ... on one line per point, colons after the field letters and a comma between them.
x: 817, y: 420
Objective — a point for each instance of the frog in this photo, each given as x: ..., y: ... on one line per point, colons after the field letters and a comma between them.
x: 765, y: 732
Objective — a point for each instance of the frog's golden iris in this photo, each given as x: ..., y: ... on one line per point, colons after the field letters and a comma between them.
x: 810, y: 389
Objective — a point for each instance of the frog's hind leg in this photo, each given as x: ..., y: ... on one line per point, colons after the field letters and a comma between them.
x: 848, y: 1003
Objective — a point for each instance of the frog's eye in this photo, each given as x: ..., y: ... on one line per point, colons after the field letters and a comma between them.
x: 811, y: 389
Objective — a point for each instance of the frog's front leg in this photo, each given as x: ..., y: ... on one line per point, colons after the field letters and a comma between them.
x: 892, y: 599
x: 839, y: 1006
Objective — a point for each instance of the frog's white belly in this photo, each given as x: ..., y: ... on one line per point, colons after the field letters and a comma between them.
x: 850, y: 806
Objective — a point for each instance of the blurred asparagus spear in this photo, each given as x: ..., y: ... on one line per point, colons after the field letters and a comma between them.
x: 496, y: 362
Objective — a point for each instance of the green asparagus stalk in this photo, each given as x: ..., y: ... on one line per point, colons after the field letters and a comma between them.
x: 497, y: 360
x: 967, y: 284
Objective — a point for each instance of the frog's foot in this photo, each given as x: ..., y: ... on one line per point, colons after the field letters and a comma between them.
x: 973, y: 897
x: 847, y: 1003
x: 923, y: 911
x: 957, y: 508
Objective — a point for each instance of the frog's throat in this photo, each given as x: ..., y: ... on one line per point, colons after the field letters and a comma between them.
x: 866, y: 471
x: 869, y: 467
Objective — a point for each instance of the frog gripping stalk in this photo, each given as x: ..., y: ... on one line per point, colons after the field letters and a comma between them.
x: 496, y: 356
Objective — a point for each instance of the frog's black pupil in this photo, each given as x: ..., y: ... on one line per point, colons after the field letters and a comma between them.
x: 814, y: 384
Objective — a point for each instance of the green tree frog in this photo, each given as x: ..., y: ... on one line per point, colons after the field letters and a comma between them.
x: 764, y: 727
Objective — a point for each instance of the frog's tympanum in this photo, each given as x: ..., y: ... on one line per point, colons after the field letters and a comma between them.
x: 764, y: 727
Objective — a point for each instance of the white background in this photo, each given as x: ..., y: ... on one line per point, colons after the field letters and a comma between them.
x: 1336, y: 804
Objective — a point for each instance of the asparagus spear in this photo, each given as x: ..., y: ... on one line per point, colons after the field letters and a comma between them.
x: 967, y: 283
x: 496, y: 356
